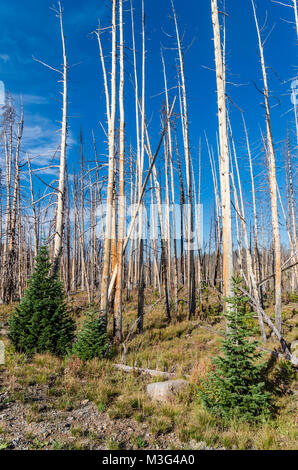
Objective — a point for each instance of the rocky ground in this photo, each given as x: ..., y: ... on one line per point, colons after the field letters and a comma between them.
x: 25, y: 427
x: 53, y: 403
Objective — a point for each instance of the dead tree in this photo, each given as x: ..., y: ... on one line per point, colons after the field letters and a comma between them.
x: 185, y: 132
x: 111, y: 115
x: 60, y: 208
x: 272, y: 184
x: 224, y: 156
x: 121, y: 227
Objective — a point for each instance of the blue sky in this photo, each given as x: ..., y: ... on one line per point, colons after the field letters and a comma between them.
x: 31, y: 29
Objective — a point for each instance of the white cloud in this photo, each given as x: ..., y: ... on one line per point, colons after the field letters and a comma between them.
x: 33, y: 99
x: 41, y: 136
x: 41, y: 140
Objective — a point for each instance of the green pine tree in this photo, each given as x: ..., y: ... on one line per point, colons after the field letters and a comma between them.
x: 236, y: 387
x: 41, y: 322
x: 92, y: 340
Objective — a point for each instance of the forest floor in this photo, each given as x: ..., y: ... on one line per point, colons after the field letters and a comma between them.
x: 53, y: 403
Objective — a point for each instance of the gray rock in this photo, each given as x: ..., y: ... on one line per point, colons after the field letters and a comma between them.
x: 162, y: 391
x: 295, y: 356
x: 294, y: 346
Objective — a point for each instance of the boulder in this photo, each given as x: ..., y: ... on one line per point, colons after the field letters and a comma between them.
x: 295, y: 357
x: 162, y: 391
x: 294, y: 346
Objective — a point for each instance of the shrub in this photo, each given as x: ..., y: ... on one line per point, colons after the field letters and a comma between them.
x: 42, y: 323
x: 236, y: 388
x: 92, y: 340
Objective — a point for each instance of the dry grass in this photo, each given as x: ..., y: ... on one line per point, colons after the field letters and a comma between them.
x: 181, y: 347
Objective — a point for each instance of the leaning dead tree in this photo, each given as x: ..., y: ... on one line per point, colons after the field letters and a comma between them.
x: 251, y: 277
x: 272, y: 184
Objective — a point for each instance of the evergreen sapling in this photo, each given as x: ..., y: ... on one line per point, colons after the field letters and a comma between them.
x: 41, y: 322
x: 236, y: 387
x: 92, y: 340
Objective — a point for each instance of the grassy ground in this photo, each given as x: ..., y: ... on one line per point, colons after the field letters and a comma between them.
x: 63, y: 403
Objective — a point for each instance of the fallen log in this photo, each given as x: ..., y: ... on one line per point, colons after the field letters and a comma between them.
x: 152, y: 372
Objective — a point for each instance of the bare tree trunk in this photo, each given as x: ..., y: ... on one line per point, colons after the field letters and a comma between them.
x: 60, y: 208
x: 35, y: 221
x: 74, y: 243
x: 68, y: 237
x: 252, y: 282
x: 190, y: 228
x: 272, y: 186
x: 182, y: 202
x: 82, y: 210
x: 256, y: 231
x: 173, y: 195
x: 140, y: 173
x: 8, y: 161
x: 111, y: 113
x: 140, y: 200
x: 161, y: 223
x: 224, y: 157
x: 14, y: 220
x: 291, y: 209
x: 217, y: 214
x: 81, y: 243
x: 131, y: 251
x: 121, y: 228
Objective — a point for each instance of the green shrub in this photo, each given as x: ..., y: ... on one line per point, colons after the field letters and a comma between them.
x: 41, y: 322
x: 286, y: 372
x: 92, y: 340
x: 235, y: 388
